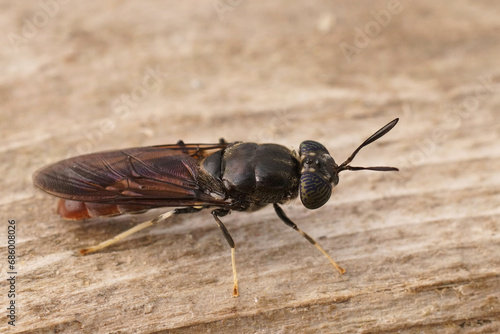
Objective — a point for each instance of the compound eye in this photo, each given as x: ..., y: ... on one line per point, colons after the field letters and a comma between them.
x: 315, y: 191
x: 310, y: 146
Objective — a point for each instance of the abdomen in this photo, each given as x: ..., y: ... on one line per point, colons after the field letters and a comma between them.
x: 77, y: 210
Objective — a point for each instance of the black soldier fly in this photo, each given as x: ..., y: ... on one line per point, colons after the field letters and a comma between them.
x: 236, y: 176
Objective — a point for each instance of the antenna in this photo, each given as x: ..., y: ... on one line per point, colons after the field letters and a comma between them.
x: 377, y: 135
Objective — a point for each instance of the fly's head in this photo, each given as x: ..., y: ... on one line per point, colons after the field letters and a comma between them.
x: 320, y: 173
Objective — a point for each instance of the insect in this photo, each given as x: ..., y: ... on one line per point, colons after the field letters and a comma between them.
x: 223, y: 177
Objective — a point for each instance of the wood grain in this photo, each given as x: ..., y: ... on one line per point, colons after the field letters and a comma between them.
x: 421, y: 247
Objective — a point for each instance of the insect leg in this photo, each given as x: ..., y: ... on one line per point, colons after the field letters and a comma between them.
x: 221, y: 213
x: 137, y: 228
x: 281, y: 214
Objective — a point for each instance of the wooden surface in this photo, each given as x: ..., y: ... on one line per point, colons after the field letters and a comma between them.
x: 421, y: 247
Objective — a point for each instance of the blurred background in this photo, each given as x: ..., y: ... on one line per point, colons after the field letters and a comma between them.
x: 80, y: 77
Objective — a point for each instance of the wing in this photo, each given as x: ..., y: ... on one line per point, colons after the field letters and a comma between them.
x: 155, y: 176
x: 197, y: 151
